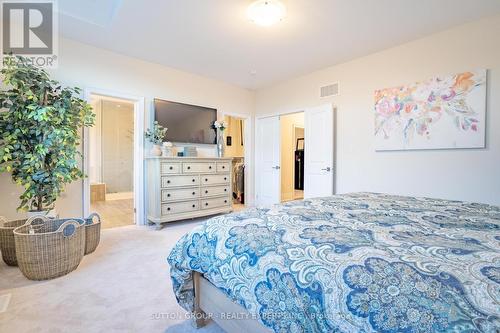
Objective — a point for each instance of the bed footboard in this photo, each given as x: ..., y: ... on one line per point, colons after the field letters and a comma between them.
x: 211, y: 303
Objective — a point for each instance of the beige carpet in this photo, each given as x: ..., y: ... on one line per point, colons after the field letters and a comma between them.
x: 122, y: 287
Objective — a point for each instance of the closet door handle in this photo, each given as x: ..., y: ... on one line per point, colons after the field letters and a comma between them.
x: 276, y: 167
x: 327, y: 169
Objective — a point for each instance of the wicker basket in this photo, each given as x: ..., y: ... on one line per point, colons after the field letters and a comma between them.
x: 7, y: 244
x: 51, y: 248
x: 92, y: 233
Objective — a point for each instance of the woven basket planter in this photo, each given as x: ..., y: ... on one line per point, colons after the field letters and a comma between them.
x: 92, y: 232
x: 7, y: 243
x: 49, y: 249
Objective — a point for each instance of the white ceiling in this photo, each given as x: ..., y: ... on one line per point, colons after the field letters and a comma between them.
x: 214, y: 38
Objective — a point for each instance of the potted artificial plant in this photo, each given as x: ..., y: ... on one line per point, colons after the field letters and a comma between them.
x: 156, y: 136
x: 39, y: 133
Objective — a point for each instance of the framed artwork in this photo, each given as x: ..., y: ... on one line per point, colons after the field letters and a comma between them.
x: 440, y: 113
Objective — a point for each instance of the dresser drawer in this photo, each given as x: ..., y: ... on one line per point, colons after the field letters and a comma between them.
x: 180, y: 194
x: 215, y: 202
x: 179, y: 207
x: 223, y: 166
x: 214, y: 179
x: 167, y: 167
x: 176, y: 181
x: 214, y: 190
x: 198, y: 167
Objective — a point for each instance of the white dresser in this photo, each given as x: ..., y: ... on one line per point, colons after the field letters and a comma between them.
x: 181, y: 188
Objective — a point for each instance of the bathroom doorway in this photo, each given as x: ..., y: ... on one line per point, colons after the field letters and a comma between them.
x: 111, y: 161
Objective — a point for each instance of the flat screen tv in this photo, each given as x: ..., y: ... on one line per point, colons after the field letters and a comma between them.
x: 186, y: 123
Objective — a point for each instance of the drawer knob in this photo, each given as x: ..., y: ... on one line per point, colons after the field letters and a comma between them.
x: 223, y: 167
x: 210, y: 167
x: 225, y: 178
x: 225, y: 201
x: 168, y: 195
x: 168, y: 181
x: 168, y: 208
x: 194, y: 193
x: 206, y: 191
x: 189, y: 168
x: 171, y: 168
x: 206, y: 179
x: 194, y: 206
x: 206, y: 203
x: 225, y: 190
x: 194, y: 180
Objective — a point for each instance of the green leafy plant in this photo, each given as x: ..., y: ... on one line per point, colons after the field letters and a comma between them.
x: 39, y: 132
x: 157, y: 134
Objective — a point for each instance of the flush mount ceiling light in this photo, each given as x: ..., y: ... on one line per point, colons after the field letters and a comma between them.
x: 266, y: 12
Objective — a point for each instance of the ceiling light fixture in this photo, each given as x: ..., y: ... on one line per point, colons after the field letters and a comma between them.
x: 266, y: 12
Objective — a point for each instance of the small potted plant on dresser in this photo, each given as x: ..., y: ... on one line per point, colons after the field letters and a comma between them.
x: 156, y: 136
x: 39, y: 133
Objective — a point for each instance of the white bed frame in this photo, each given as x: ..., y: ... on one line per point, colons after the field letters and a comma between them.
x: 211, y: 303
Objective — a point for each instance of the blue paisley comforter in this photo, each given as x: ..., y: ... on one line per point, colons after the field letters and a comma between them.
x: 359, y: 262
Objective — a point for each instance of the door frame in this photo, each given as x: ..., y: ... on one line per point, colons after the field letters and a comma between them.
x: 139, y: 127
x: 248, y: 148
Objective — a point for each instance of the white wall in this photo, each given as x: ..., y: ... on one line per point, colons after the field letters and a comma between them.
x: 454, y: 174
x: 85, y: 66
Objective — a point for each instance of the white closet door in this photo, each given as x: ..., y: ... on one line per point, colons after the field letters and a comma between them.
x: 268, y: 175
x: 319, y: 160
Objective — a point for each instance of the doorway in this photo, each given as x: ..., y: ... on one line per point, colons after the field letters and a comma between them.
x: 111, y: 161
x: 292, y: 156
x: 113, y: 157
x: 278, y: 147
x: 234, y: 137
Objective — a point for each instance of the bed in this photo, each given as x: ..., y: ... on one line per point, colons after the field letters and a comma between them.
x: 360, y: 262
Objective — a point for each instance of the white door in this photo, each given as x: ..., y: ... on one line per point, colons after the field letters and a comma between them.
x: 318, y: 150
x: 268, y: 173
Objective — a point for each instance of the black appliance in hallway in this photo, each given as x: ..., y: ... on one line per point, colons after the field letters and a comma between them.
x: 299, y: 165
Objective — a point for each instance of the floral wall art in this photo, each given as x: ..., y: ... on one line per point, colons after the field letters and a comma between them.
x: 440, y: 113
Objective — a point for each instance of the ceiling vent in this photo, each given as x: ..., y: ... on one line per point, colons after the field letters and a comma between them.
x: 329, y: 91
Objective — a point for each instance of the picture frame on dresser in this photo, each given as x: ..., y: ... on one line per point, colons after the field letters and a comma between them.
x: 180, y: 188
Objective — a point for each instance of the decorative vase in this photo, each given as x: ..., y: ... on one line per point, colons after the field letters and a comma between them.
x: 156, y: 150
x: 220, y: 143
